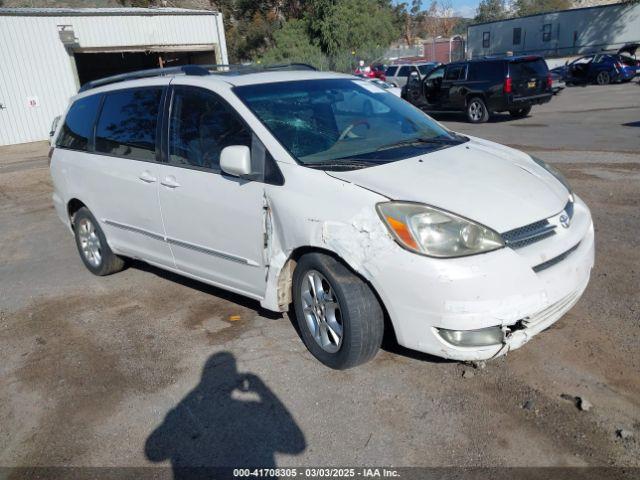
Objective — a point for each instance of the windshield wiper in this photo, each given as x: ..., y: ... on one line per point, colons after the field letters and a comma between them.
x: 419, y: 141
x: 346, y: 164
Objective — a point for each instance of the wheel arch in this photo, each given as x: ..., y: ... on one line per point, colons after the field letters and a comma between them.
x: 285, y: 281
x: 73, y: 205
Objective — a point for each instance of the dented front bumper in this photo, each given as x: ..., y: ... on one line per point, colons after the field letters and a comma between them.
x: 499, y: 288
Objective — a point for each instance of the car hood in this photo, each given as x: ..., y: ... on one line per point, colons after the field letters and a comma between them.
x: 497, y: 186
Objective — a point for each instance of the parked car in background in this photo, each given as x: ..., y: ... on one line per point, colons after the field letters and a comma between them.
x: 557, y: 83
x: 384, y: 85
x: 482, y: 87
x: 322, y: 192
x: 599, y: 68
x: 628, y: 56
x: 53, y: 129
x: 399, y: 74
x: 377, y: 70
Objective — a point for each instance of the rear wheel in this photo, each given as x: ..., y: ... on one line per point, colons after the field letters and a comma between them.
x: 477, y: 111
x: 520, y: 112
x: 92, y: 245
x: 603, y: 78
x: 339, y: 317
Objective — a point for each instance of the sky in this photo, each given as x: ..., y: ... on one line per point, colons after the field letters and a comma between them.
x: 463, y: 8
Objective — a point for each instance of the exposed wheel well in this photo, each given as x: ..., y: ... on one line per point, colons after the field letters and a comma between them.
x: 72, y: 207
x: 285, y: 283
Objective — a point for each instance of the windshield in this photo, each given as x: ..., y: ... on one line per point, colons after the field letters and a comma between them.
x: 338, y: 121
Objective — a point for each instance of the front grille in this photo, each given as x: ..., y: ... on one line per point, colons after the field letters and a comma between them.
x: 534, y: 232
x: 554, y: 260
x: 523, y: 236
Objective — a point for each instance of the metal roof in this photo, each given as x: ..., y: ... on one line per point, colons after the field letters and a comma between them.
x: 95, y: 12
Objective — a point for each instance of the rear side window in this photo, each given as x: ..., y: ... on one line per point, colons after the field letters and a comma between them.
x: 486, y: 71
x: 534, y: 68
x: 404, y: 71
x: 128, y: 122
x: 391, y: 71
x: 78, y: 125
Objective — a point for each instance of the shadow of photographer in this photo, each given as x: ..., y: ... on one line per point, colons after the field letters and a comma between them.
x: 229, y: 420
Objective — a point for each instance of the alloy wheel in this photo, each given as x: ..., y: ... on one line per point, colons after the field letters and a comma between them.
x: 90, y: 242
x: 602, y: 78
x: 322, y: 311
x: 476, y: 111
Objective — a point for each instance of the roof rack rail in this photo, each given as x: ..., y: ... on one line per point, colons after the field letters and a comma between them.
x: 152, y: 72
x: 219, y: 68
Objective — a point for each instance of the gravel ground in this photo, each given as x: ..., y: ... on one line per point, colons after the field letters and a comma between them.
x: 145, y: 367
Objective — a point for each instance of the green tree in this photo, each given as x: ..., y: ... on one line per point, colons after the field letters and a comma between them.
x: 490, y: 10
x: 530, y: 7
x: 352, y: 25
x: 292, y: 43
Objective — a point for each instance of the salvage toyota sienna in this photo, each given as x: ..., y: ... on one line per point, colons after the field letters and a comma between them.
x: 325, y: 192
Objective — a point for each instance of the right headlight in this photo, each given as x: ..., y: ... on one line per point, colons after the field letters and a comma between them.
x: 436, y: 233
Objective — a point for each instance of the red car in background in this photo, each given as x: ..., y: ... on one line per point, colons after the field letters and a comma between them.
x: 374, y: 71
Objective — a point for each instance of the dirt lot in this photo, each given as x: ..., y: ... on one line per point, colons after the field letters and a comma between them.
x: 144, y: 367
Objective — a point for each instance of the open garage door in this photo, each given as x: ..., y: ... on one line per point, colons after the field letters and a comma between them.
x: 95, y: 65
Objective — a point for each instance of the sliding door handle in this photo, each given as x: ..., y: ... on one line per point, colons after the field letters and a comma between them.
x: 147, y: 177
x: 170, y: 182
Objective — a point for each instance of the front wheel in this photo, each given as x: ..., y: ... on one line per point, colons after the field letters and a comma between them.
x: 339, y: 317
x: 520, y: 112
x: 477, y: 111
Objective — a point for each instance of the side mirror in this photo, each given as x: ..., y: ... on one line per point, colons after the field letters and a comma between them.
x: 236, y: 160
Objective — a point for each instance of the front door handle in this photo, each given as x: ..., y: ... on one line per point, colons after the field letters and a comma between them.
x: 147, y: 177
x: 170, y: 182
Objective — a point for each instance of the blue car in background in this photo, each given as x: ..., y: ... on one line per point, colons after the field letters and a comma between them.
x: 600, y: 68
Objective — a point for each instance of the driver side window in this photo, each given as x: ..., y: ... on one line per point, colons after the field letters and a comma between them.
x: 437, y: 73
x: 201, y: 125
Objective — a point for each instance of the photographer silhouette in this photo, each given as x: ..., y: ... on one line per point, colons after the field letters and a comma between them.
x: 228, y: 420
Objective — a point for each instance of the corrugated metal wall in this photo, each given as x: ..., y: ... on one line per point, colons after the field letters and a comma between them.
x: 573, y: 32
x: 34, y: 64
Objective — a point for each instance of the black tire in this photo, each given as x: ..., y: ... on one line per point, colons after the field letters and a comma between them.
x: 108, y: 262
x: 360, y: 313
x: 603, y: 78
x: 520, y: 112
x: 477, y: 110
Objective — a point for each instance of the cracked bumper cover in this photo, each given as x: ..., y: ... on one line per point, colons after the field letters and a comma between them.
x: 498, y: 288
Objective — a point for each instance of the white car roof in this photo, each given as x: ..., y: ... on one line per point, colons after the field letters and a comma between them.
x: 233, y: 79
x: 276, y: 76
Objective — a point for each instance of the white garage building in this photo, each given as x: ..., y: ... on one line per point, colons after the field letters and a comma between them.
x: 47, y: 54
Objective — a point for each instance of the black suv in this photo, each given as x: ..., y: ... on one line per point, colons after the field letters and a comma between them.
x: 481, y: 87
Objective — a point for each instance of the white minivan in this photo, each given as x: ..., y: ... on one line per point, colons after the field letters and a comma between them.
x: 326, y: 192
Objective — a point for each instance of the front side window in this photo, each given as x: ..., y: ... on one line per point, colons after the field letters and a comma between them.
x: 437, y: 73
x: 201, y: 125
x: 546, y: 32
x: 486, y: 39
x: 128, y: 122
x: 78, y: 125
x: 517, y: 36
x: 454, y: 73
x: 343, y: 122
x: 424, y: 69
